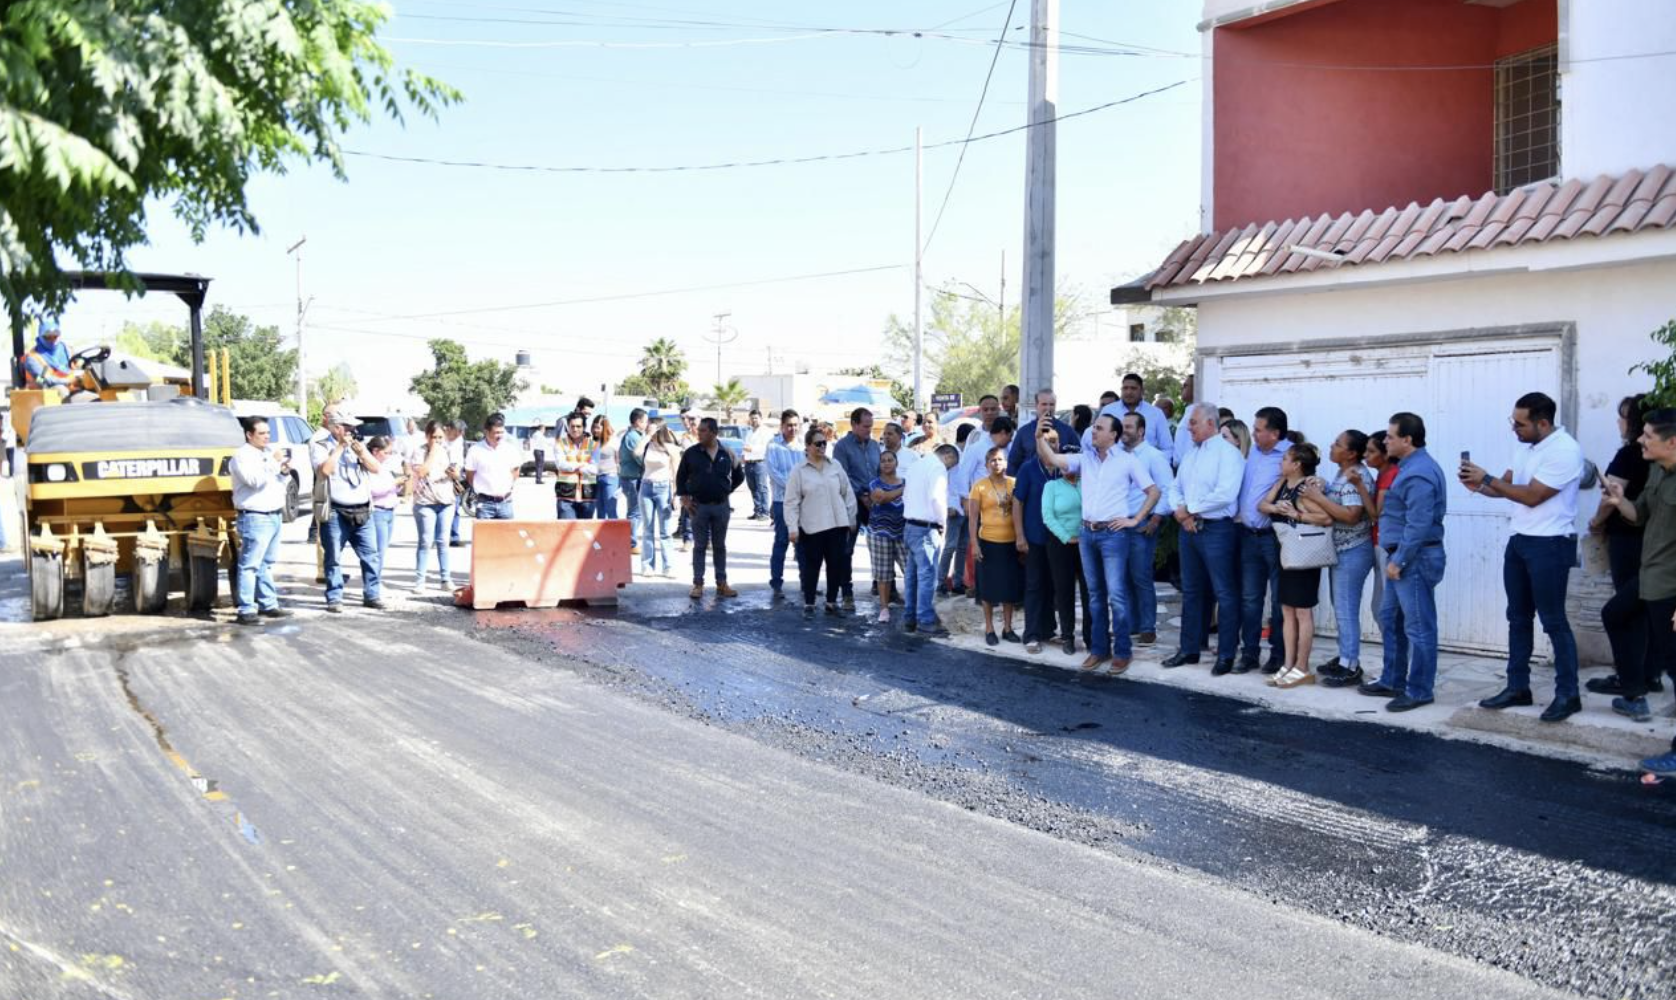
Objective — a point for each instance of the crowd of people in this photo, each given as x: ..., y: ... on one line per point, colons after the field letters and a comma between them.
x: 1036, y: 516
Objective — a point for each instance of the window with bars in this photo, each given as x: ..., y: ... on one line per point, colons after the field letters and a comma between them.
x: 1527, y: 118
x: 1137, y: 333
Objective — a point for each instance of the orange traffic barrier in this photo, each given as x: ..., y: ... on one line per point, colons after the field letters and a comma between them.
x: 540, y: 563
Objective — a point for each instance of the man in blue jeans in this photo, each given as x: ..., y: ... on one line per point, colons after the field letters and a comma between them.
x: 1541, y: 482
x: 1143, y: 541
x: 1205, y: 496
x: 259, y: 481
x: 1411, y: 530
x: 782, y: 455
x: 1259, y: 548
x: 347, y: 467
x: 925, y: 507
x: 629, y: 470
x: 492, y: 468
x: 1109, y: 476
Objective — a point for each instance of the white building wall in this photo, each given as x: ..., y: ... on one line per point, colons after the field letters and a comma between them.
x: 1617, y: 114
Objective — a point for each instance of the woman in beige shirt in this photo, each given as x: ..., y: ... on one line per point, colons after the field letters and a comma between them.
x: 820, y: 514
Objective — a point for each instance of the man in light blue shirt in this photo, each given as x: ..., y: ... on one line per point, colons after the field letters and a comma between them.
x: 1132, y: 400
x: 951, y: 565
x: 1205, y: 496
x: 784, y: 453
x: 1183, y: 438
x: 1259, y: 548
x: 1143, y: 540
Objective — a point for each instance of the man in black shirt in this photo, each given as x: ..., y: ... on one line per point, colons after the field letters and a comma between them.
x: 707, y: 476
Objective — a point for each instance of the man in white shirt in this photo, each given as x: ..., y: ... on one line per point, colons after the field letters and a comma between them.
x: 1183, y: 439
x: 347, y: 467
x: 542, y: 444
x: 1542, y: 485
x: 925, y: 509
x: 1205, y: 496
x: 259, y: 480
x: 456, y: 435
x: 1143, y: 540
x: 1132, y: 399
x: 492, y: 467
x: 1109, y: 476
x: 952, y: 563
x: 756, y: 474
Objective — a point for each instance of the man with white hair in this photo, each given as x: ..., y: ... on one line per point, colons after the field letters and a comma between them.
x: 1205, y: 496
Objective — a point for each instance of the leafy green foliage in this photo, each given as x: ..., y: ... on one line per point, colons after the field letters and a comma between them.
x: 968, y: 349
x: 261, y: 368
x: 156, y: 340
x: 337, y: 385
x: 729, y: 397
x: 107, y: 103
x: 662, y: 364
x: 460, y: 389
x: 663, y: 391
x: 1662, y: 370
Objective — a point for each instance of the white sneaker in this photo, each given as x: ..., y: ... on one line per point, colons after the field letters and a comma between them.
x: 420, y: 587
x: 884, y: 616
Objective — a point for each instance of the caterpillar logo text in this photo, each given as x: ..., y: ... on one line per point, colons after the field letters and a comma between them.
x: 147, y: 468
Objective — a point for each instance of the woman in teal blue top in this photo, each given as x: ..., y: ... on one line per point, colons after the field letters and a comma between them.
x: 1062, y: 514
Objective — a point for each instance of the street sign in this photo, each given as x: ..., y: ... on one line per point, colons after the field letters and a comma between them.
x: 943, y: 402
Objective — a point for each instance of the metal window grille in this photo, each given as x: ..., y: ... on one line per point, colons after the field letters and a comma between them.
x: 1527, y: 118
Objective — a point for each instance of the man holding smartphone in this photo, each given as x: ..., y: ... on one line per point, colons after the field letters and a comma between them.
x: 1541, y: 483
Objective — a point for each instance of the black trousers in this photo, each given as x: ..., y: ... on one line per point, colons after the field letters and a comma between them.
x: 830, y: 548
x: 1038, y: 595
x: 1065, y: 569
x: 1643, y: 644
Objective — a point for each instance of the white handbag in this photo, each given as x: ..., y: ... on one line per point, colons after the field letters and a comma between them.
x: 1305, y: 546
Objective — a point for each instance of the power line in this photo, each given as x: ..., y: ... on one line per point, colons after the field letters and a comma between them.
x: 781, y: 161
x: 983, y: 93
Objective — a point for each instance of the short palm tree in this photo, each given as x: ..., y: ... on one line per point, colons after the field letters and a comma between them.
x: 729, y: 396
x: 663, y: 364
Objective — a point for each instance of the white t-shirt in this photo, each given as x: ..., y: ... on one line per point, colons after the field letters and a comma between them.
x: 494, y: 471
x: 1557, y: 462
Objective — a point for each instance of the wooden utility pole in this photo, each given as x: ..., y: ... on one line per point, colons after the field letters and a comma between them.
x: 1036, y: 344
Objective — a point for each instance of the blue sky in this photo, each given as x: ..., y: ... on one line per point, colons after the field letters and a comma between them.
x: 749, y: 82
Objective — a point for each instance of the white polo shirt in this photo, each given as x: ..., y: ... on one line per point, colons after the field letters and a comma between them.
x: 1556, y: 461
x: 926, y: 496
x: 494, y: 471
x: 1106, y: 482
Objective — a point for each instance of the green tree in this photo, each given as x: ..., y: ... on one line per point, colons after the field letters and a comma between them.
x: 1662, y: 370
x: 260, y: 368
x: 968, y: 349
x: 337, y: 385
x: 662, y: 364
x: 457, y: 388
x: 729, y: 397
x: 644, y: 388
x: 156, y: 340
x: 105, y: 106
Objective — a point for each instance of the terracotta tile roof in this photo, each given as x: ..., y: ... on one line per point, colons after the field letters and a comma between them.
x: 1637, y: 200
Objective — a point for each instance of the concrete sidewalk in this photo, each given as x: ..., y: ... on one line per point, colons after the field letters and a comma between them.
x: 1596, y: 735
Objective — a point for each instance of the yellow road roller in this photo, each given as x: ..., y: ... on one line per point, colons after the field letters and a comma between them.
x: 126, y: 475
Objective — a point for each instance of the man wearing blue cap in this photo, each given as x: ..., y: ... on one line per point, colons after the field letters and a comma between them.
x: 48, y: 365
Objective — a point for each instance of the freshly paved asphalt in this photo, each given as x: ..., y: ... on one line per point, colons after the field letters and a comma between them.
x: 381, y: 805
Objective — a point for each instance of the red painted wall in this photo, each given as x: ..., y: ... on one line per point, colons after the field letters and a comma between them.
x: 1293, y: 138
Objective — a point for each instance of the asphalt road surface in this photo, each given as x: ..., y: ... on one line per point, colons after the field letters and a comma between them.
x: 745, y: 804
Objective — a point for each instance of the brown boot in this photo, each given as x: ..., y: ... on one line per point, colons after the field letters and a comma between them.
x: 696, y: 592
x: 723, y: 590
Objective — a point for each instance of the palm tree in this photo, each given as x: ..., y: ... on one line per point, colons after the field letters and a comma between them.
x: 663, y: 364
x: 729, y: 396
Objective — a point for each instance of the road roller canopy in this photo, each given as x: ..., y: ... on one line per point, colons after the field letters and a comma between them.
x: 185, y: 422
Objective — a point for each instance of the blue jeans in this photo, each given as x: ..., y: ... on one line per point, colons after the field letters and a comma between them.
x: 258, y: 548
x: 433, y: 520
x: 1349, y: 577
x: 656, y: 508
x: 919, y: 578
x: 1208, y: 558
x: 493, y: 510
x: 1143, y: 592
x: 954, y: 553
x: 459, y: 515
x: 1105, y: 558
x: 782, y: 542
x: 605, y: 499
x: 631, y: 497
x: 1534, y: 572
x: 576, y: 510
x: 334, y: 533
x: 756, y: 480
x: 1259, y: 576
x: 1408, y: 620
x: 383, y: 524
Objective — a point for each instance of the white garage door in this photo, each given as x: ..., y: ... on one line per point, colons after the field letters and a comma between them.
x: 1464, y: 390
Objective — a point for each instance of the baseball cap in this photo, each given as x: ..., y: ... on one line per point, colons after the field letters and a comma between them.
x: 345, y: 420
x: 48, y: 325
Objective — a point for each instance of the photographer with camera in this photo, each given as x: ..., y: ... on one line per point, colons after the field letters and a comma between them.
x: 347, y: 467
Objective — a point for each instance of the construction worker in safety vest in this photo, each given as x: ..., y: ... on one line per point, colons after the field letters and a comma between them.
x: 48, y: 365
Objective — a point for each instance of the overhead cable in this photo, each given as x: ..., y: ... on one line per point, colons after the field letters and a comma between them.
x: 970, y: 128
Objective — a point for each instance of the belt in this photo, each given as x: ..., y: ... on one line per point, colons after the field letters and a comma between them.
x: 499, y: 499
x: 1099, y: 526
x: 1392, y: 549
x: 1248, y: 529
x: 923, y: 524
x: 264, y: 513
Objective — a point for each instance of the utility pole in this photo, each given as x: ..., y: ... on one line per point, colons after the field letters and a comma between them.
x: 919, y: 278
x: 296, y: 250
x: 1036, y: 346
x: 724, y: 334
x: 1001, y: 303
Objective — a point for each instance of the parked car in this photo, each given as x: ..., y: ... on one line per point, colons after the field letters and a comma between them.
x: 391, y: 425
x: 289, y: 434
x: 732, y: 437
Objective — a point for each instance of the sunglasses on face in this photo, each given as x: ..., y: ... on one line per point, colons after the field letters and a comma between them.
x: 818, y: 444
